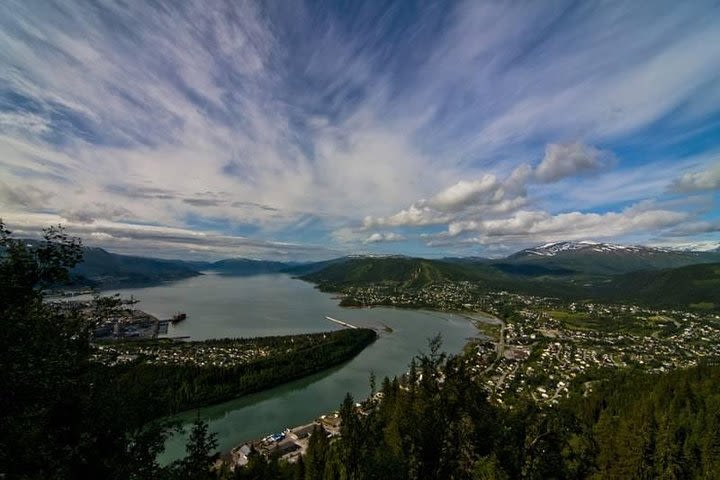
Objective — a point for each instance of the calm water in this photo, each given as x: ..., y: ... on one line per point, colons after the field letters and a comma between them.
x: 221, y: 306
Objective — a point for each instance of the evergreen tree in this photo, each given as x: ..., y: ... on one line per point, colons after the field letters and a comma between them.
x: 201, y: 453
x: 316, y: 455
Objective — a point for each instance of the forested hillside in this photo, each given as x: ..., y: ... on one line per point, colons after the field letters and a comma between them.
x: 697, y: 285
x: 438, y: 424
x: 183, y: 387
x: 692, y: 285
x: 247, y: 266
x: 100, y: 268
x: 406, y: 271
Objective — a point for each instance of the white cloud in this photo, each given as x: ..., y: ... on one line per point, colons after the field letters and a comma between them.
x: 485, y: 196
x: 539, y: 226
x: 708, y: 179
x: 378, y: 237
x: 566, y: 160
x: 465, y: 192
x: 415, y: 215
x: 23, y: 196
x: 205, y: 113
x: 165, y: 242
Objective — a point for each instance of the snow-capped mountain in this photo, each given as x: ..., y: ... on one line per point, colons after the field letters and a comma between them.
x: 695, y: 247
x: 552, y: 249
x: 608, y: 258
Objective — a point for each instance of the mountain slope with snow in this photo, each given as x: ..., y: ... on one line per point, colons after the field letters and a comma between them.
x: 608, y: 258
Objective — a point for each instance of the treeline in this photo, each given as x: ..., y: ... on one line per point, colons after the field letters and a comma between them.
x: 439, y: 426
x: 182, y: 387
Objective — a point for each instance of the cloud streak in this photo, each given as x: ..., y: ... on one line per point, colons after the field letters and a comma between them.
x: 244, y: 117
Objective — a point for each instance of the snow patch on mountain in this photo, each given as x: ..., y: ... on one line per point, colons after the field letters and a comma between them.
x: 555, y: 248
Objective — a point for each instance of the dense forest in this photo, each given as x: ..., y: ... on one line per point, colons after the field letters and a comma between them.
x: 437, y: 424
x: 182, y: 387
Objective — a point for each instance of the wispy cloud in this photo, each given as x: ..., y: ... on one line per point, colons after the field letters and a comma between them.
x: 267, y: 117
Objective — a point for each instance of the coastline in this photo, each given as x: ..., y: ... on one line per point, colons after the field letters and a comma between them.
x: 273, y: 443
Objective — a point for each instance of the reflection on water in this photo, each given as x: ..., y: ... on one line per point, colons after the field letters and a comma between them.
x: 222, y: 306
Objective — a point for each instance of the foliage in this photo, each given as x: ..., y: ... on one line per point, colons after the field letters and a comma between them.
x: 436, y: 423
x: 689, y: 284
x: 60, y: 417
x: 201, y: 454
x: 182, y: 387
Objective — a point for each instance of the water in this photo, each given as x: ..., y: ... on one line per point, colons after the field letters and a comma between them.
x: 222, y: 306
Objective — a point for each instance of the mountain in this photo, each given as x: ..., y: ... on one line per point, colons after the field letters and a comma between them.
x: 247, y: 266
x: 406, y: 271
x: 308, y: 268
x: 606, y: 258
x: 688, y: 286
x: 101, y: 268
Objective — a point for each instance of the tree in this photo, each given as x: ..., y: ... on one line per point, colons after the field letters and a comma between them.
x: 201, y: 453
x: 317, y: 452
x: 43, y: 360
x: 61, y: 415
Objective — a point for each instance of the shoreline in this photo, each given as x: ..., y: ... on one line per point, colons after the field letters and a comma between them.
x: 237, y: 455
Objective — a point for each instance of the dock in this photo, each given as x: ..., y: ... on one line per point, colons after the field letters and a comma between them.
x: 161, y: 328
x: 340, y: 322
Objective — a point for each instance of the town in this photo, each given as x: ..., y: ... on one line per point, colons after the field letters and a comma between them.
x: 223, y: 353
x: 542, y: 349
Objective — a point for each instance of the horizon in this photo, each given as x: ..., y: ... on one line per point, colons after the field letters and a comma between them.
x: 313, y: 131
x: 710, y: 248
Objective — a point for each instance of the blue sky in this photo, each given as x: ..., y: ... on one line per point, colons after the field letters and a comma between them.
x: 301, y: 130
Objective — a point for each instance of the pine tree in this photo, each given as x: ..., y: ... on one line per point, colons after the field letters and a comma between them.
x: 316, y: 456
x: 201, y: 453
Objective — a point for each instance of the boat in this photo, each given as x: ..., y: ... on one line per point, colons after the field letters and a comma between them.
x: 178, y: 317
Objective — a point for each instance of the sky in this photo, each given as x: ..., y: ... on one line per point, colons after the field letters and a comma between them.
x: 307, y: 130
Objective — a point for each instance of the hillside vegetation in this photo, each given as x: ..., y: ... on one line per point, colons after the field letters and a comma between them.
x: 689, y: 285
x: 246, y: 266
x: 693, y: 285
x: 440, y: 425
x: 101, y: 268
x: 408, y: 272
x: 183, y: 387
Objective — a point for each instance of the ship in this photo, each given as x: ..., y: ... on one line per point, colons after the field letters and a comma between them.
x: 178, y: 317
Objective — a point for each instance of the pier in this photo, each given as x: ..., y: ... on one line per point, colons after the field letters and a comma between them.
x: 340, y: 322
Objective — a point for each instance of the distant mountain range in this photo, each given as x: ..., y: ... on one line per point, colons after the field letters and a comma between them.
x: 607, y: 258
x: 102, y: 269
x: 246, y: 266
x: 572, y: 270
x: 579, y: 269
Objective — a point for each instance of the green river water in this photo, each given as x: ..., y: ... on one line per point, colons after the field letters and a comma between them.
x: 224, y: 306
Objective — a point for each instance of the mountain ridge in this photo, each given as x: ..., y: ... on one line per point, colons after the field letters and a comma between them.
x: 102, y: 268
